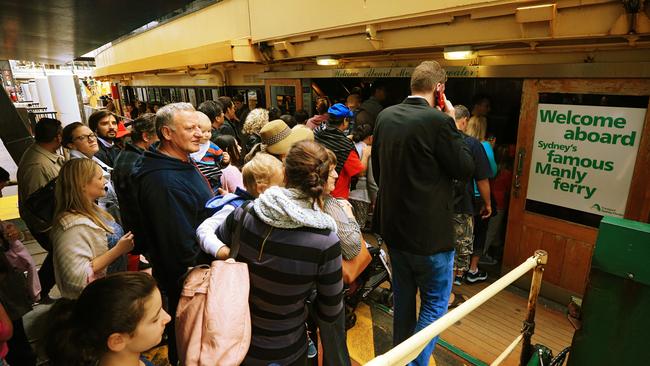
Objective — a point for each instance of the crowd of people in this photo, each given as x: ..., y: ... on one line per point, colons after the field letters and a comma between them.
x: 170, y: 192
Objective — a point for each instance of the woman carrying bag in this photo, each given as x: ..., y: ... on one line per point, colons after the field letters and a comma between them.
x: 291, y: 246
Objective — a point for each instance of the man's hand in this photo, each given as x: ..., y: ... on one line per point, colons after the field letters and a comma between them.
x: 486, y: 211
x: 449, y: 108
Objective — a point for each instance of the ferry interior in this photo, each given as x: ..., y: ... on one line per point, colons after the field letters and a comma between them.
x: 568, y: 88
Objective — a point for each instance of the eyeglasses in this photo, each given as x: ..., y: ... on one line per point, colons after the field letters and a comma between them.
x: 86, y: 137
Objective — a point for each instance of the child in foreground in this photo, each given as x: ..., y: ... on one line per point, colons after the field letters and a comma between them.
x: 113, y: 321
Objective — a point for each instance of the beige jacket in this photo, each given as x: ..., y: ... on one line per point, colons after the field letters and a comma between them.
x: 37, y: 168
x: 76, y: 241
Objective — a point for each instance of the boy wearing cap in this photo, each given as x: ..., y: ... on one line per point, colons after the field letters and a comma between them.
x: 348, y: 163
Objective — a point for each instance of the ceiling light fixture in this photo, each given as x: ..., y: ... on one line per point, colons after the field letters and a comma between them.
x: 327, y: 61
x: 459, y: 53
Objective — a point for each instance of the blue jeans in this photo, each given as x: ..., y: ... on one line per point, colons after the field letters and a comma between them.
x: 432, y: 275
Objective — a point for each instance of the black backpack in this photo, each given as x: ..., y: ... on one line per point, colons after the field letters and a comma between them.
x: 41, y: 203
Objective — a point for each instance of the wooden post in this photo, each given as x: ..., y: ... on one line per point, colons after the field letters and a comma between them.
x: 529, y: 323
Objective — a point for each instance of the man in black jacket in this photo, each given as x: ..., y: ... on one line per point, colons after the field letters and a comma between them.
x: 371, y: 107
x: 143, y: 135
x: 417, y: 151
x: 172, y: 194
x: 230, y: 125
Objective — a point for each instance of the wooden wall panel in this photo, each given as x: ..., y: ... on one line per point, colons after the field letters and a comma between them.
x: 555, y: 246
x: 532, y: 240
x: 511, y: 245
x: 561, y: 227
x: 577, y: 261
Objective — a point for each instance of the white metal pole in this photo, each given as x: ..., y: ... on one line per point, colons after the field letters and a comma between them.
x: 507, y: 351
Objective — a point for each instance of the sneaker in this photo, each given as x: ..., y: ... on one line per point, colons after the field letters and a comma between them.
x: 478, y: 276
x: 458, y: 280
x: 312, y: 351
x: 487, y: 260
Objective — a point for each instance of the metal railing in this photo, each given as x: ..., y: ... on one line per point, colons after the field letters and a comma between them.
x: 408, y: 350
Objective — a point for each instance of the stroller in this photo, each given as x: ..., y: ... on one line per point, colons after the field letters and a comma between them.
x: 377, y: 272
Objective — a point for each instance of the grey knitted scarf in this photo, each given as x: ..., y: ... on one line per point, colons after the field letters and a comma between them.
x: 289, y: 209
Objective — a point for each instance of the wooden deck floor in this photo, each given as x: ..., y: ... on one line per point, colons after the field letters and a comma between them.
x: 487, y: 331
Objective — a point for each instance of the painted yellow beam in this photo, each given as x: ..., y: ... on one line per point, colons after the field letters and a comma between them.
x: 228, y: 31
x: 208, y: 54
x: 285, y: 18
x: 569, y: 26
x: 210, y: 30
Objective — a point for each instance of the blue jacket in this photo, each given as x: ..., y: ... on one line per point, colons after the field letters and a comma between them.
x: 235, y: 199
x: 172, y: 196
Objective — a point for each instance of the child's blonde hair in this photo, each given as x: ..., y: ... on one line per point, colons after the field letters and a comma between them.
x: 477, y: 127
x: 260, y: 170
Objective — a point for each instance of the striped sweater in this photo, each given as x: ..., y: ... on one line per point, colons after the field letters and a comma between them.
x: 285, y: 265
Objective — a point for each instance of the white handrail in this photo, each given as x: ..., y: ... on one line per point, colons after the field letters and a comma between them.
x: 408, y: 350
x: 508, y: 350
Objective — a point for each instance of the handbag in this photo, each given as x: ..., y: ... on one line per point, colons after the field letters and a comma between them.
x: 354, y: 267
x: 213, y: 322
x: 42, y: 201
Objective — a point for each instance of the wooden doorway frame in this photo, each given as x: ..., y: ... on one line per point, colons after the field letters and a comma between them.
x: 569, y: 245
x: 268, y: 83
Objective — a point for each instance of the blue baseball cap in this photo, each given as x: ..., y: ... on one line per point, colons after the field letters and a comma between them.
x: 340, y: 111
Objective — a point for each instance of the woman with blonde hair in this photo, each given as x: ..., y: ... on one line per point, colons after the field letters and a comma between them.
x: 477, y: 128
x: 255, y: 120
x: 86, y: 239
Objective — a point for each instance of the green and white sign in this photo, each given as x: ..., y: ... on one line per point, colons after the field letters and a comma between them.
x: 583, y: 156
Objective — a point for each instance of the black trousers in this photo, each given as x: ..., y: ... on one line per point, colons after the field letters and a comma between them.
x: 46, y: 272
x: 172, y: 295
x: 480, y: 234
